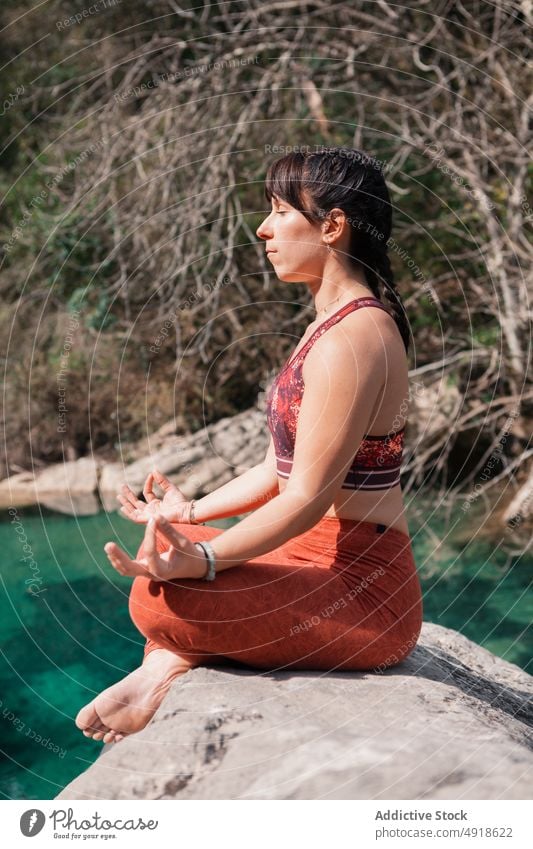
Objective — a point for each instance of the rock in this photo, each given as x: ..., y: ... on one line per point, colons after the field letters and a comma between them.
x: 74, y: 504
x: 197, y: 463
x: 521, y: 506
x: 452, y: 721
x: 112, y: 477
x: 76, y: 476
x: 18, y: 491
x: 67, y: 487
x: 70, y: 487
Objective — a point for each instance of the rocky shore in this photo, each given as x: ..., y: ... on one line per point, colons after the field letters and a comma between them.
x: 197, y: 463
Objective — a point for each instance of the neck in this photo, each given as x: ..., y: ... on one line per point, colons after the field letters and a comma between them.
x: 339, y: 285
x: 333, y: 298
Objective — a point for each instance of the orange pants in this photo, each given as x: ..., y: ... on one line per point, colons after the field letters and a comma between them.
x: 343, y: 595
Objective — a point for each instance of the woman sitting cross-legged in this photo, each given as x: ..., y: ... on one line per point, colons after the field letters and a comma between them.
x: 320, y: 575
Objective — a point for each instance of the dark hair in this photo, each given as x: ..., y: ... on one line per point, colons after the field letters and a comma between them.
x: 352, y: 181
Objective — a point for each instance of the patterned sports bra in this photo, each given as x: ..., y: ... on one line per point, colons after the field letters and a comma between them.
x: 376, y: 464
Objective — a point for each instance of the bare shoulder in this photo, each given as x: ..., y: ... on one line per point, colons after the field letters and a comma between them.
x: 358, y: 367
x: 369, y: 335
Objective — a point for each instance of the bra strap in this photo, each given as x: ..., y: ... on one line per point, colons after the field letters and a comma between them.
x: 337, y: 316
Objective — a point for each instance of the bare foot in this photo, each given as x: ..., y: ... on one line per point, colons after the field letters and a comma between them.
x: 127, y: 706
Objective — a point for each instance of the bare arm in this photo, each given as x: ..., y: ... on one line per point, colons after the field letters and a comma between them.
x: 244, y: 493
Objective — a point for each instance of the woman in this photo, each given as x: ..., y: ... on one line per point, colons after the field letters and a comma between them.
x: 321, y: 574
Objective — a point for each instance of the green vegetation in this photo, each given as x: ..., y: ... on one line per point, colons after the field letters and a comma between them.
x: 132, y: 176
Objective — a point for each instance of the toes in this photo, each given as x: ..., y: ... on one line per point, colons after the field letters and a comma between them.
x: 109, y: 737
x: 99, y: 735
x: 114, y: 736
x: 101, y: 732
x: 98, y: 727
x: 90, y: 723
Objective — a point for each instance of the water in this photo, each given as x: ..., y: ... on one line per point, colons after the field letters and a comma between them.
x: 65, y: 632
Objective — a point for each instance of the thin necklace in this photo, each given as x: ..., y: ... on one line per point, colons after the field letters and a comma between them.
x: 323, y: 309
x: 294, y: 356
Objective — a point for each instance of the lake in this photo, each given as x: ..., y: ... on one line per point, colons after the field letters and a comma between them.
x: 65, y: 633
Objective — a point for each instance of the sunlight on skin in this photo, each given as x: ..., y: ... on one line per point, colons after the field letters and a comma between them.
x: 124, y: 564
x: 104, y: 734
x: 173, y: 506
x: 180, y: 560
x: 153, y: 565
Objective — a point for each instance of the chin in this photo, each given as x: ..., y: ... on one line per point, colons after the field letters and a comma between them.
x: 290, y: 276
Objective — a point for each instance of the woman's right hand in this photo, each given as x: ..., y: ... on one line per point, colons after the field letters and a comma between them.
x: 173, y: 506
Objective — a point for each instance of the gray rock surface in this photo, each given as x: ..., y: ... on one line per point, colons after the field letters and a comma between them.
x: 197, y: 463
x: 453, y: 721
x: 68, y: 487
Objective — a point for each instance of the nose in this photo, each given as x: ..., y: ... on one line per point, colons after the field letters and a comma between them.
x: 264, y: 231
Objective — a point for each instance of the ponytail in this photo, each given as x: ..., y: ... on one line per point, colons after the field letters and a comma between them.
x: 382, y: 272
x: 380, y: 277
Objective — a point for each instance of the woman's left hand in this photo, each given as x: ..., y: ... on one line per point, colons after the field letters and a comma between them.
x: 181, y: 560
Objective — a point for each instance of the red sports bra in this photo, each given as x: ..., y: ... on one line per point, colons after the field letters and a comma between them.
x: 376, y: 464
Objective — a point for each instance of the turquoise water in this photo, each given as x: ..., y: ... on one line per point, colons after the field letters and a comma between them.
x: 65, y: 632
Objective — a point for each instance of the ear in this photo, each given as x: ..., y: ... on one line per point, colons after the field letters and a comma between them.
x: 334, y: 222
